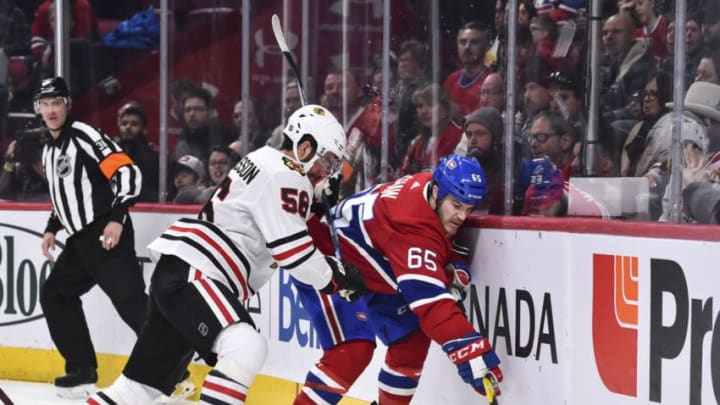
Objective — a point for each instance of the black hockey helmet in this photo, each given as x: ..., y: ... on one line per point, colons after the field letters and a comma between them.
x: 52, y: 87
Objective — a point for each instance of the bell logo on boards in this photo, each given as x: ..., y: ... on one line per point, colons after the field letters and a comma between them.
x: 615, y: 321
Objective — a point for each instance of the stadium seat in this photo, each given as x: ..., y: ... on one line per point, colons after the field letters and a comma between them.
x: 20, y: 69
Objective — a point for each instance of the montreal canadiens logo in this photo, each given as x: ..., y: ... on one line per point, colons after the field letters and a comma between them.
x: 63, y: 166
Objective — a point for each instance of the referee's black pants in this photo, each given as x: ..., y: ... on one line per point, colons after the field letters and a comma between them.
x: 82, y: 264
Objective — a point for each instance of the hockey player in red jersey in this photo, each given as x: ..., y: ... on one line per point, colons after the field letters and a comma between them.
x: 399, y: 235
x: 206, y: 268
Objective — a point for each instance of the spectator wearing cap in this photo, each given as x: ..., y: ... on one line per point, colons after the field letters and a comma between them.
x: 564, y: 98
x: 701, y: 160
x: 700, y: 111
x: 536, y: 99
x: 701, y: 196
x: 132, y: 130
x: 482, y: 140
x: 188, y: 178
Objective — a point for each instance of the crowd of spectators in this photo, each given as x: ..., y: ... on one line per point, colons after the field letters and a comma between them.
x: 463, y: 112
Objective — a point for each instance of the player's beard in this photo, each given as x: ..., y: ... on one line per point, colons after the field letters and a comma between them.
x: 449, y: 233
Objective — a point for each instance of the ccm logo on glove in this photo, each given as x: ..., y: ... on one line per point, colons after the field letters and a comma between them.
x: 469, y: 351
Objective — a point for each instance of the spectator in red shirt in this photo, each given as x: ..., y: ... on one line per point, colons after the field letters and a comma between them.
x: 653, y: 29
x: 464, y: 85
x: 438, y: 136
x: 83, y: 27
x: 84, y: 24
x: 544, y: 36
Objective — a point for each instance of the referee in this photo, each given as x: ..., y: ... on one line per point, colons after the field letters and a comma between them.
x: 92, y: 183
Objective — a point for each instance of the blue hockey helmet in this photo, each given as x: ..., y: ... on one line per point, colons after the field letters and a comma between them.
x: 462, y: 178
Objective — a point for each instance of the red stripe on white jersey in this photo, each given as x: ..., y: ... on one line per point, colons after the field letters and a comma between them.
x: 212, y: 243
x: 223, y: 311
x: 290, y: 252
x: 225, y: 390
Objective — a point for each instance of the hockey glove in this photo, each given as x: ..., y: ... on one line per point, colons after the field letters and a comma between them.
x: 326, y: 194
x: 475, y: 359
x: 327, y: 191
x: 346, y: 281
x: 460, y: 284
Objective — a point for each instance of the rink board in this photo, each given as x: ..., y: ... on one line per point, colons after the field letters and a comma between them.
x: 579, y: 311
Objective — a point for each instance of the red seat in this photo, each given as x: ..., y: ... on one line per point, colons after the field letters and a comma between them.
x: 20, y: 72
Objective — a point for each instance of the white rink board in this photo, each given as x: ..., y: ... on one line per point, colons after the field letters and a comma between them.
x: 539, y: 288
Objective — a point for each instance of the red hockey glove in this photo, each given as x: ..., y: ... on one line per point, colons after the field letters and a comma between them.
x: 460, y: 283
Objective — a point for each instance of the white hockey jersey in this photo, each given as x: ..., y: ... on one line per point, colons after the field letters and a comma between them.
x: 254, y: 222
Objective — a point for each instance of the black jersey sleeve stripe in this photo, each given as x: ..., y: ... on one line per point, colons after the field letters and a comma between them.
x: 85, y: 143
x: 300, y: 260
x: 97, y: 139
x: 287, y: 239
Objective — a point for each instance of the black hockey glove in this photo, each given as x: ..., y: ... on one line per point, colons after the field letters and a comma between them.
x: 327, y: 192
x: 346, y: 281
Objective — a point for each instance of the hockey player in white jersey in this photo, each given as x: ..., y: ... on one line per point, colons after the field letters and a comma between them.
x: 254, y: 223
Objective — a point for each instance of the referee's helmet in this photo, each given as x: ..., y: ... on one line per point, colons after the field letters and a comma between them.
x: 52, y: 87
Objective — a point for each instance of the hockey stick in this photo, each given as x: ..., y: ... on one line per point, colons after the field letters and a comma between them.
x: 4, y: 398
x: 282, y: 43
x: 490, y: 385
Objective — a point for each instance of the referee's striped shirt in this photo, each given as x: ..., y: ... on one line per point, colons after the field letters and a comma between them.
x: 89, y: 177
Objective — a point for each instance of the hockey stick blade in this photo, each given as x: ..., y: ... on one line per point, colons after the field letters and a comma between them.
x: 490, y: 387
x: 282, y: 43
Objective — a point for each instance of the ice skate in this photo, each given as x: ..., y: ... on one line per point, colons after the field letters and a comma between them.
x: 183, y: 390
x: 77, y: 384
